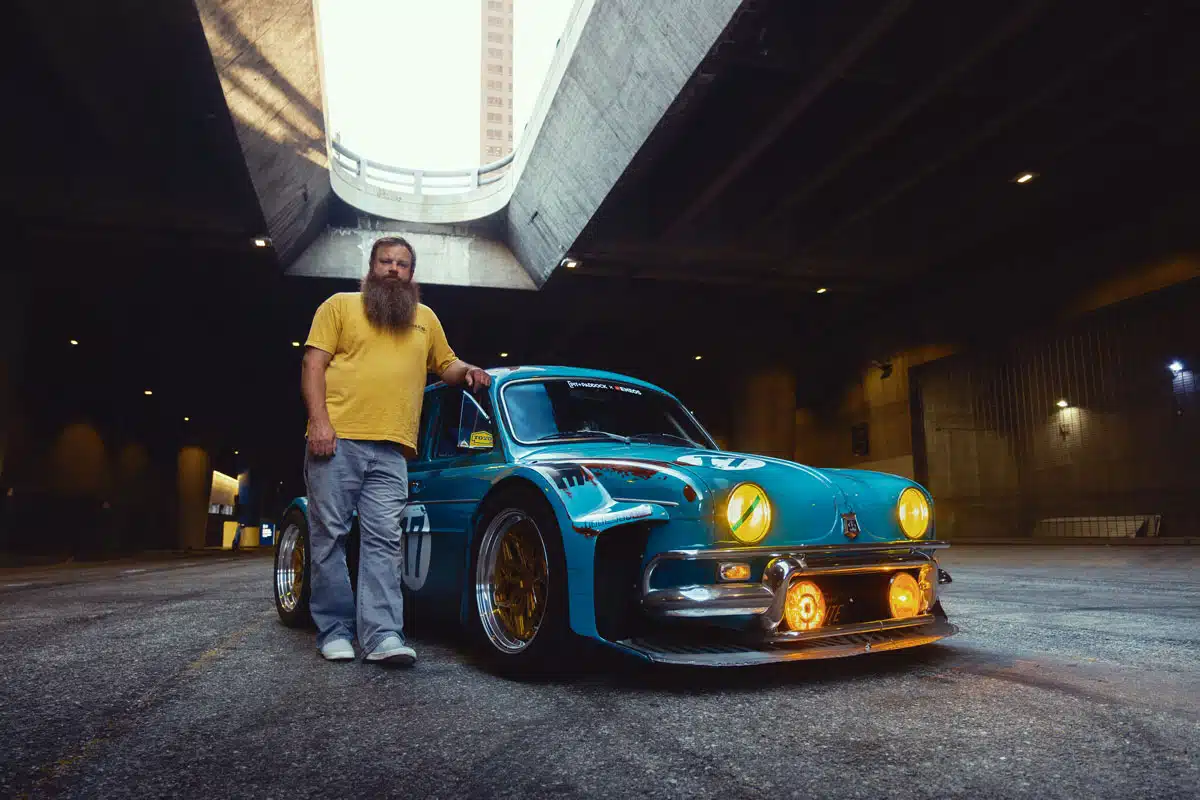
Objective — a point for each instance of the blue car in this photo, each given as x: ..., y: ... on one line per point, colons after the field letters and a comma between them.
x: 565, y: 503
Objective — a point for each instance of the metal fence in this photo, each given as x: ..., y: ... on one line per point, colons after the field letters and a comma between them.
x: 1088, y: 430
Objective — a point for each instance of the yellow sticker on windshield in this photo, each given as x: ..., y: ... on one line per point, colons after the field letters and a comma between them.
x: 481, y: 439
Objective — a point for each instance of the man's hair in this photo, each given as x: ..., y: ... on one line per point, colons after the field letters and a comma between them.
x: 388, y: 241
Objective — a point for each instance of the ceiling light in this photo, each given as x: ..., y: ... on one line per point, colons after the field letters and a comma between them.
x: 187, y: 419
x: 1025, y: 177
x: 699, y: 357
x: 148, y: 393
x: 74, y: 342
x: 822, y: 290
x: 235, y: 452
x: 1063, y: 404
x: 1176, y: 367
x: 570, y: 263
x: 261, y: 242
x: 295, y: 344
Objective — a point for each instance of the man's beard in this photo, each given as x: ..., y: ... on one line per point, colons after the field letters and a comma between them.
x: 390, y: 303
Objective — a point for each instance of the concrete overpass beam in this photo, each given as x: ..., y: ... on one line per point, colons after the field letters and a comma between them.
x: 629, y: 60
x: 446, y: 255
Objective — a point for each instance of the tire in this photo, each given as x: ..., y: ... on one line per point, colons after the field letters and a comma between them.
x: 501, y: 636
x: 291, y: 572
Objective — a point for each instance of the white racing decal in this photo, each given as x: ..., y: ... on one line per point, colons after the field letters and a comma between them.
x: 415, y: 543
x: 721, y: 462
x: 615, y: 387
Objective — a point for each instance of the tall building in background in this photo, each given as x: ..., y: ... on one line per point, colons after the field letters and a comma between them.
x: 496, y: 81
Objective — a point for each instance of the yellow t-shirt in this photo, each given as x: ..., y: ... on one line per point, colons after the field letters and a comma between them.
x: 375, y: 383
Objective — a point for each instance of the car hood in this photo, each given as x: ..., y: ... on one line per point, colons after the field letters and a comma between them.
x: 807, y: 503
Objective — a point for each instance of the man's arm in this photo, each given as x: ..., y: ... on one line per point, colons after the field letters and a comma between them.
x: 322, y: 440
x: 460, y: 373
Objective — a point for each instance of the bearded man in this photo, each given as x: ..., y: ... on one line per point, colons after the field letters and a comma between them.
x: 365, y: 367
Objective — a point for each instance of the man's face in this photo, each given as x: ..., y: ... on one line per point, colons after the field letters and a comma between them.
x: 393, y: 262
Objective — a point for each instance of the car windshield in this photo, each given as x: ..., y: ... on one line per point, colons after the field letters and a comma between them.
x: 571, y: 409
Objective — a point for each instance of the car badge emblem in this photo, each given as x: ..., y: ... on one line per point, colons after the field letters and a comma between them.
x: 850, y: 525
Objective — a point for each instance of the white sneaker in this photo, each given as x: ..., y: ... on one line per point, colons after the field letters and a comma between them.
x: 393, y: 651
x: 338, y: 650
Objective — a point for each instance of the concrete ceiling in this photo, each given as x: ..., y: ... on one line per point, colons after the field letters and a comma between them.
x: 117, y: 127
x: 860, y: 145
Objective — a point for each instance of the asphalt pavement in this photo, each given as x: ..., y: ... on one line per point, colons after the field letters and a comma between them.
x: 1075, y: 675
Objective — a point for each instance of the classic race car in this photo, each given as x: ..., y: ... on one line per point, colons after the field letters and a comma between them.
x: 574, y: 502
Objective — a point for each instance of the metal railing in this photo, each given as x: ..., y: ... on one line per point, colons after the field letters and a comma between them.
x: 402, y: 183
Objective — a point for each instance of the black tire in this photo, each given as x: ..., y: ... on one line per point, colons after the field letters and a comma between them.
x: 546, y: 648
x: 292, y: 605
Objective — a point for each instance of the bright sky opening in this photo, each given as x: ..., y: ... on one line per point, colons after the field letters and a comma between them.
x: 402, y: 76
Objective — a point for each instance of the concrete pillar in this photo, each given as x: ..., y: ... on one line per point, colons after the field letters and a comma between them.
x: 764, y: 421
x: 195, y: 484
x: 12, y: 345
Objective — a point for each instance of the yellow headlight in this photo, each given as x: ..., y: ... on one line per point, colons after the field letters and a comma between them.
x: 928, y: 585
x: 804, y: 606
x: 904, y: 596
x: 748, y: 513
x: 914, y: 513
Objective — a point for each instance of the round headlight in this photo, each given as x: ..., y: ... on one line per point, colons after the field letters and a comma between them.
x: 748, y: 513
x: 804, y: 606
x: 904, y: 596
x: 914, y: 513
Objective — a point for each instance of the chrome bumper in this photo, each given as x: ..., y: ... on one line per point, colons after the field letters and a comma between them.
x: 766, y: 598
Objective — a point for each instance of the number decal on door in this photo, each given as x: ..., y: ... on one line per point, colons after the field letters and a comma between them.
x: 415, y: 543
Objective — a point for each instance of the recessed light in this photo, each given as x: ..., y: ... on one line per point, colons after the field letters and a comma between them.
x: 1025, y: 177
x: 699, y: 357
x: 822, y: 290
x: 147, y: 393
x: 504, y: 355
x: 1063, y: 404
x: 74, y: 342
x: 570, y: 263
x: 261, y: 242
x: 295, y: 344
x: 187, y: 419
x: 235, y: 452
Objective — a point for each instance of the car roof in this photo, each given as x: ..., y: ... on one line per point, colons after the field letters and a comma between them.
x: 503, y: 375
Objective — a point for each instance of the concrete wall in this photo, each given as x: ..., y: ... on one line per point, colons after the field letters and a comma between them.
x: 12, y: 338
x: 629, y: 60
x: 823, y: 436
x: 765, y: 422
x: 266, y: 54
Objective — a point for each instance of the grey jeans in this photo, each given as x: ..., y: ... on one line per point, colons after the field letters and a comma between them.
x: 371, y: 477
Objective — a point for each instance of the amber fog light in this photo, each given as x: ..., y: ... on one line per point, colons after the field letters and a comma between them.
x: 804, y: 607
x: 734, y: 572
x: 928, y: 586
x: 904, y: 596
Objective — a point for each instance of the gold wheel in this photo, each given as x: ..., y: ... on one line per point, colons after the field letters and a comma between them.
x: 512, y: 580
x: 289, y: 572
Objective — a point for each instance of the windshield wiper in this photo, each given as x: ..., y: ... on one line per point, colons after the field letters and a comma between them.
x: 573, y: 434
x: 683, y: 439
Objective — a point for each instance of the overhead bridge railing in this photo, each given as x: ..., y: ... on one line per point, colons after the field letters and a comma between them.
x: 413, y: 194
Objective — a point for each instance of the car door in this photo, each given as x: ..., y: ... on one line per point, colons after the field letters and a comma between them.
x: 445, y: 488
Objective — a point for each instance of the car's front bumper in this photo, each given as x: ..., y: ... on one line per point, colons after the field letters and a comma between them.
x: 763, y: 601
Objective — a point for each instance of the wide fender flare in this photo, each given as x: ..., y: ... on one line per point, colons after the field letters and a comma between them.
x: 584, y: 510
x: 298, y: 504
